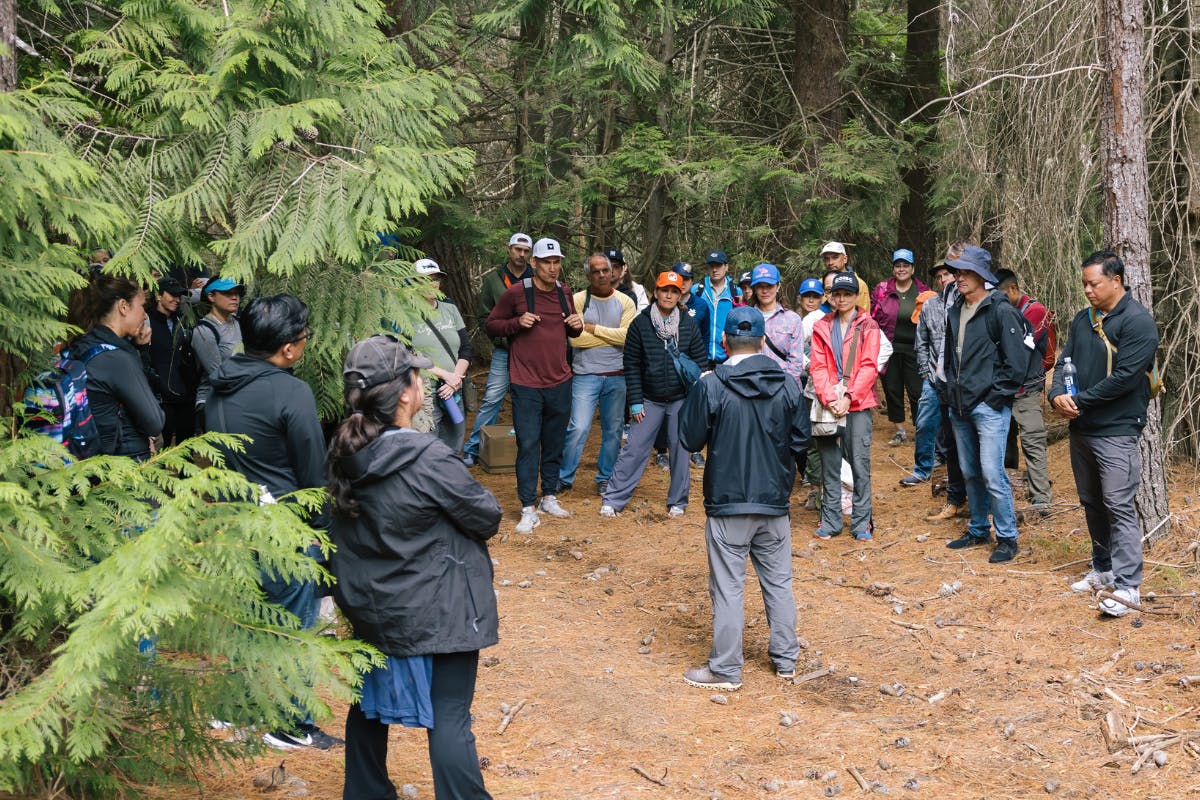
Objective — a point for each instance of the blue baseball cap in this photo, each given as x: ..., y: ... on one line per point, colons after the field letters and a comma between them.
x: 903, y: 254
x: 682, y: 269
x: 764, y: 273
x: 614, y: 255
x: 221, y: 285
x: 745, y: 321
x: 811, y: 286
x: 974, y: 259
x: 717, y: 257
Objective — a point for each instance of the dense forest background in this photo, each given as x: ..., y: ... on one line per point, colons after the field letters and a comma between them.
x: 283, y: 142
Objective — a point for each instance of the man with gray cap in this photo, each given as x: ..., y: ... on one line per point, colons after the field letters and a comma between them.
x: 538, y: 315
x: 745, y: 412
x: 495, y: 283
x: 987, y: 351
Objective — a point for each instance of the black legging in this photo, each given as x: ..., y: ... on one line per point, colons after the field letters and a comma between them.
x: 901, y: 378
x: 456, y: 774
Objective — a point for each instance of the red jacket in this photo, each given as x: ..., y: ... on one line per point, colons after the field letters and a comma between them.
x: 860, y: 375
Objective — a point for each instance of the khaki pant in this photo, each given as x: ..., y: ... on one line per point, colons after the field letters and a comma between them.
x: 1027, y: 415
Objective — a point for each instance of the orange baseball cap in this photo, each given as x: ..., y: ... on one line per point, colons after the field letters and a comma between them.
x: 669, y: 278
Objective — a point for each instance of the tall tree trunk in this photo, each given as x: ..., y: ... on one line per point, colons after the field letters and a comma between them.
x: 10, y: 367
x: 921, y: 70
x: 1126, y: 181
x: 821, y: 28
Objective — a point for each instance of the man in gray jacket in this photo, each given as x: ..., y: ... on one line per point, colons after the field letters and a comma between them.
x: 745, y: 412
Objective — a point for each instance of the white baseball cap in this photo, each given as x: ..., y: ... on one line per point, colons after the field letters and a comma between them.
x: 546, y: 248
x: 834, y: 247
x: 427, y: 266
x: 521, y: 239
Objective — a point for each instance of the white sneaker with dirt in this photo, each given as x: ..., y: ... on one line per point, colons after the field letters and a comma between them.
x: 704, y: 678
x: 529, y: 520
x: 675, y: 511
x: 1093, y: 582
x: 550, y: 505
x: 607, y: 511
x: 1115, y: 609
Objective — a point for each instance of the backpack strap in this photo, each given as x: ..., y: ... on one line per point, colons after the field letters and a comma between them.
x: 775, y: 349
x: 1098, y: 326
x: 528, y: 284
x: 209, y: 325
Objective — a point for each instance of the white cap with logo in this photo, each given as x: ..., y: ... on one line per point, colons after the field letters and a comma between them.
x: 546, y: 248
x: 521, y: 239
x: 834, y: 247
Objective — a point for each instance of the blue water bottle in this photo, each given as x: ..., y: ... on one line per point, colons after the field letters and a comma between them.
x: 452, y: 408
x: 1069, y: 375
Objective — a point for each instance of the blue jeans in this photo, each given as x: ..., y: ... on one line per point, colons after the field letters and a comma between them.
x: 929, y: 418
x: 608, y: 391
x: 540, y: 419
x: 981, y: 437
x: 493, y: 397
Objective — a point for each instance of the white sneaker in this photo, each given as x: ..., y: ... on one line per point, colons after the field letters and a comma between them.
x: 1115, y: 609
x: 1093, y: 582
x: 675, y: 511
x: 607, y: 511
x: 550, y: 506
x: 529, y: 520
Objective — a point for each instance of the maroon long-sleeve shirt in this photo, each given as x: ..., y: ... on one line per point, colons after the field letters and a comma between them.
x: 537, y: 356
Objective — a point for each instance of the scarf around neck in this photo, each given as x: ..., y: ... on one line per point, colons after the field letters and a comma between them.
x: 667, y: 327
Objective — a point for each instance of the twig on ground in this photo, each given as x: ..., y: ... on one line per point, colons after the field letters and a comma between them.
x: 1106, y: 595
x: 912, y: 626
x: 660, y: 781
x: 509, y: 716
x: 812, y: 676
x: 1071, y: 564
x: 859, y: 779
x: 1116, y: 735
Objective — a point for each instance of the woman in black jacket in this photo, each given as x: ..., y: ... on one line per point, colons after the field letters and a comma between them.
x: 414, y: 577
x: 123, y: 405
x: 655, y: 393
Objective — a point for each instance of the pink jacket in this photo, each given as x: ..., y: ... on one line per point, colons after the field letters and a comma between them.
x: 885, y: 304
x: 861, y: 375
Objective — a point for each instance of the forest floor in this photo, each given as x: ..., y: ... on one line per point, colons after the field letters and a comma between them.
x: 999, y: 688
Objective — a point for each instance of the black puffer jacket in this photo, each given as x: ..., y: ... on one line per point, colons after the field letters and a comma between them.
x: 747, y: 415
x: 413, y: 572
x: 649, y: 371
x: 122, y: 403
x: 994, y: 358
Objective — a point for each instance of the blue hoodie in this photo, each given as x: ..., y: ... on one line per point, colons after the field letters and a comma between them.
x: 718, y: 306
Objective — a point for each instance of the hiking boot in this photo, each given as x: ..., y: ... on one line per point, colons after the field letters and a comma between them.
x: 607, y: 511
x: 663, y: 460
x: 786, y: 673
x: 967, y: 540
x: 912, y: 480
x: 550, y: 505
x: 675, y: 511
x: 1115, y: 609
x: 704, y: 678
x: 948, y: 511
x: 1006, y: 550
x: 697, y: 459
x: 320, y: 739
x: 898, y: 439
x: 1093, y: 582
x: 529, y: 520
x: 1041, y: 508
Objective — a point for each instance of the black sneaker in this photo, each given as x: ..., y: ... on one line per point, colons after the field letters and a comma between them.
x: 697, y: 459
x: 602, y: 488
x: 1006, y: 550
x: 967, y: 540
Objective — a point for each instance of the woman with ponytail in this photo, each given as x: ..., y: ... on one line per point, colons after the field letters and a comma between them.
x: 113, y: 313
x: 414, y: 577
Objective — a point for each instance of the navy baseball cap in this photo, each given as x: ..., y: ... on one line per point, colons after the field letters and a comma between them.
x: 683, y: 269
x: 745, y: 321
x: 614, y: 255
x: 974, y: 259
x: 811, y: 286
x: 844, y: 281
x: 171, y: 286
x: 717, y: 257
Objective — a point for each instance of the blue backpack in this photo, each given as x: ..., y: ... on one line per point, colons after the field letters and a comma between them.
x: 56, y: 403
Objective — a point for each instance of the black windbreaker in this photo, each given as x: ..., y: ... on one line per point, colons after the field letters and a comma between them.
x: 413, y: 572
x: 994, y: 358
x: 748, y: 416
x: 120, y: 397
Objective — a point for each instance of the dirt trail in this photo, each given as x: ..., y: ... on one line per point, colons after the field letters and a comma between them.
x: 1005, y: 681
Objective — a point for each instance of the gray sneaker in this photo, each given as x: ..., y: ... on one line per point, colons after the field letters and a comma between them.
x: 663, y: 460
x: 704, y: 678
x: 1093, y: 582
x: 550, y: 505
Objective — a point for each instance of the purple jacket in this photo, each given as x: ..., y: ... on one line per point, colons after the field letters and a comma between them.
x: 885, y: 304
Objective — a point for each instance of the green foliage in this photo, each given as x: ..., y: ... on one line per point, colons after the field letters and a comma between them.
x: 98, y: 556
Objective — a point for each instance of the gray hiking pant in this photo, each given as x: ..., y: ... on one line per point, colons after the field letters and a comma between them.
x: 768, y: 543
x: 1027, y: 414
x: 631, y: 462
x: 1107, y: 471
x: 854, y: 445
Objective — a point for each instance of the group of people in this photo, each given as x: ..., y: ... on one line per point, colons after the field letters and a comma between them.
x: 695, y: 365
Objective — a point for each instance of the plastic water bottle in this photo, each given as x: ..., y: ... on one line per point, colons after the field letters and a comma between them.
x: 456, y: 415
x: 1069, y: 375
